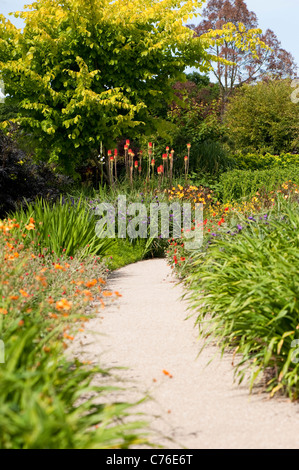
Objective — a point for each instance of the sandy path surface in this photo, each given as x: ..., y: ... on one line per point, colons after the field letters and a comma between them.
x: 146, y: 331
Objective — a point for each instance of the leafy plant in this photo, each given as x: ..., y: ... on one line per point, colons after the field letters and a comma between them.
x: 250, y: 280
x: 63, y: 227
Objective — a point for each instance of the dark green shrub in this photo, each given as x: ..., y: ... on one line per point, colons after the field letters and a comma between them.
x: 21, y: 179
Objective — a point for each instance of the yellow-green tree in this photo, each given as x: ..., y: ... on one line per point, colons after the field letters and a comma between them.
x: 88, y: 71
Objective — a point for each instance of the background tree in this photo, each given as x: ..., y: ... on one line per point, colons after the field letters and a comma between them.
x: 263, y: 118
x: 247, y: 67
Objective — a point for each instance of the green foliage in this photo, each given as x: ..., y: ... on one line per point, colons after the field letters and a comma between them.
x: 250, y: 279
x: 237, y: 184
x: 65, y: 227
x: 262, y: 118
x: 43, y: 402
x: 125, y: 251
x: 210, y: 157
x: 259, y: 161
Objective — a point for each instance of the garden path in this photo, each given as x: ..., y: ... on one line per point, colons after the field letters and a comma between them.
x: 199, y: 407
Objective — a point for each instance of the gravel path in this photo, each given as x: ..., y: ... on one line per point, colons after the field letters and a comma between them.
x: 197, y: 406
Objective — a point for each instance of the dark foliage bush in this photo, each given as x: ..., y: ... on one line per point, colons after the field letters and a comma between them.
x: 23, y: 180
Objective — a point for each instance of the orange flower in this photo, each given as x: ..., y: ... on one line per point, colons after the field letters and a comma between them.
x: 53, y: 315
x: 3, y: 311
x: 63, y: 305
x: 24, y: 293
x: 87, y: 292
x: 14, y: 297
x: 30, y: 226
x: 107, y: 294
x: 68, y: 336
x: 58, y: 266
x: 165, y: 372
x: 118, y: 294
x: 91, y: 283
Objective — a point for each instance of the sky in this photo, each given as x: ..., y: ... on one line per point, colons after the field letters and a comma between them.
x: 279, y: 15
